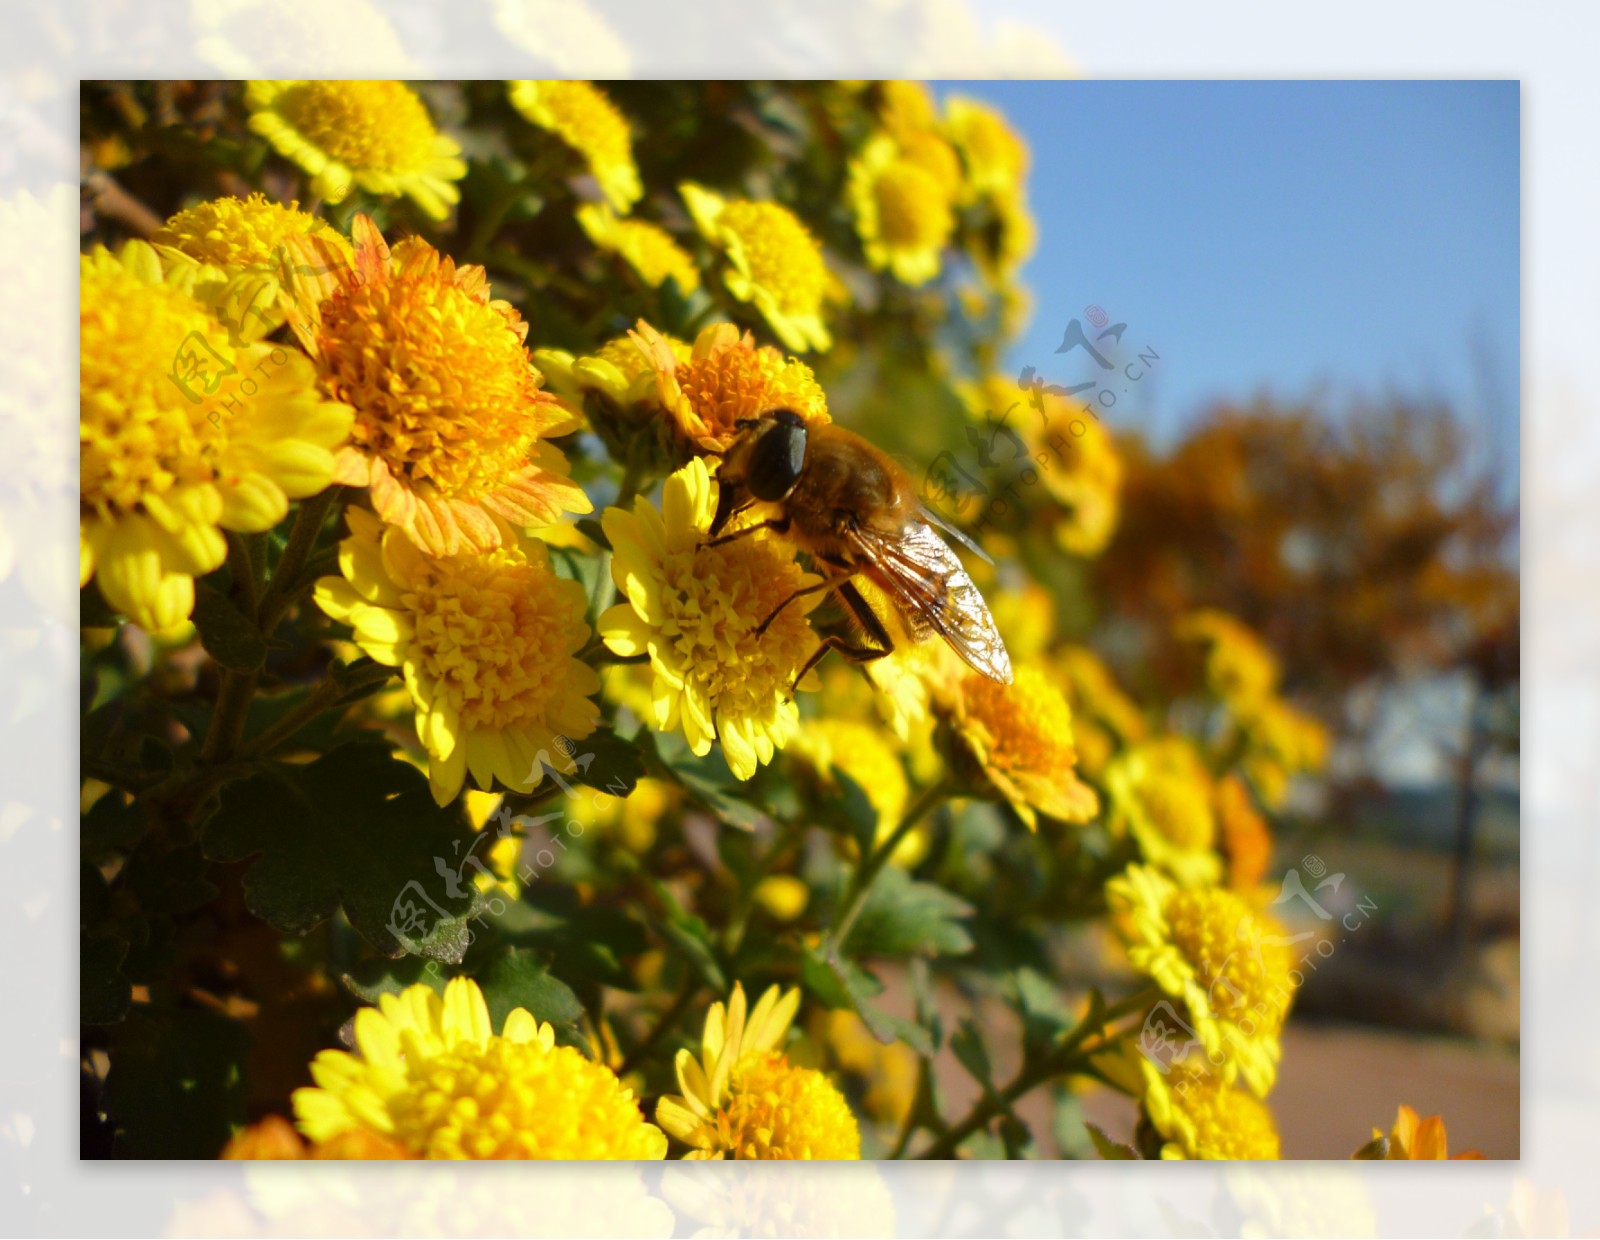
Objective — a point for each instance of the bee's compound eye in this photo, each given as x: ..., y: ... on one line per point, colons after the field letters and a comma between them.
x: 776, y: 461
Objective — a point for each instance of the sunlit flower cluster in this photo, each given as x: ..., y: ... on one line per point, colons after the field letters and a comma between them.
x: 643, y: 744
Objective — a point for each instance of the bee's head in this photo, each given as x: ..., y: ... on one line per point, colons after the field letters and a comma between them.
x: 777, y: 454
x: 764, y: 464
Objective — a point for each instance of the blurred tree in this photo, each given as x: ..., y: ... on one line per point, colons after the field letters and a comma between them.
x: 1366, y: 548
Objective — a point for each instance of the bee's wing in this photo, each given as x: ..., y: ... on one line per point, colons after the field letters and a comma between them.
x: 916, y: 568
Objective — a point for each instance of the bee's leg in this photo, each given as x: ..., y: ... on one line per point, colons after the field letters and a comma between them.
x: 776, y: 611
x: 851, y: 651
x: 867, y: 618
x: 778, y: 525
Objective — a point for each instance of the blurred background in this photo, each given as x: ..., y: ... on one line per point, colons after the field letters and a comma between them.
x: 1316, y: 397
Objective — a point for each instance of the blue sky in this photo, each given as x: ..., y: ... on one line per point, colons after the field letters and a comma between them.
x: 1289, y: 237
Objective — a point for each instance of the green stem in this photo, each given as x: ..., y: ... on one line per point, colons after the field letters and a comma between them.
x: 855, y: 897
x: 286, y: 585
x: 628, y: 488
x: 326, y: 695
x: 242, y: 568
x: 686, y: 996
x: 227, y: 721
x: 1063, y: 1060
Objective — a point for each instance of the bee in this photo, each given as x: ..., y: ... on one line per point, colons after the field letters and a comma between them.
x: 855, y: 510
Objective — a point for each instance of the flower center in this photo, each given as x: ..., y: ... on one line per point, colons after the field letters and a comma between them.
x: 714, y: 599
x: 484, y: 626
x: 782, y: 256
x: 154, y: 372
x: 912, y: 210
x: 779, y: 1111
x: 440, y: 381
x: 518, y: 1100
x: 736, y: 381
x: 1029, y: 724
x: 1241, y: 957
x: 234, y: 233
x: 365, y: 125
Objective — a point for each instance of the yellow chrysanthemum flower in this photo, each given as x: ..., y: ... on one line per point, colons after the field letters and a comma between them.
x: 1210, y: 949
x: 996, y: 157
x: 694, y: 609
x: 773, y: 262
x: 582, y: 117
x: 1161, y: 793
x: 1018, y: 740
x: 431, y: 1074
x: 1198, y: 1115
x: 486, y: 642
x: 244, y: 240
x: 449, y: 409
x: 902, y: 212
x: 1240, y: 668
x: 742, y: 1098
x: 182, y: 435
x: 373, y: 134
x: 648, y: 248
x: 1414, y: 1139
x: 248, y: 232
x: 622, y: 370
x: 726, y: 379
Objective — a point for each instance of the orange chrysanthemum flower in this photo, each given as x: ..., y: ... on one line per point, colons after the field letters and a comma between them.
x: 450, y: 412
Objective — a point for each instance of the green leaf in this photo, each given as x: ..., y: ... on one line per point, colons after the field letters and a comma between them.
x: 383, y: 976
x: 519, y: 979
x: 583, y: 944
x: 844, y: 984
x: 851, y: 812
x: 228, y: 635
x: 1109, y: 1149
x: 1375, y: 1149
x: 905, y: 918
x: 103, y: 993
x: 700, y: 780
x: 1044, y: 1017
x: 967, y: 1045
x: 607, y: 762
x: 176, y: 1088
x: 357, y: 828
